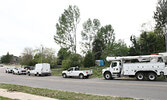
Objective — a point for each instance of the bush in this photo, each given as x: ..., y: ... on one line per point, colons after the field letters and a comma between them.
x: 66, y: 64
x: 89, y: 60
x: 72, y: 61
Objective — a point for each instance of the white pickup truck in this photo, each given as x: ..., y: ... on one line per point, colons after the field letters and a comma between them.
x: 75, y: 72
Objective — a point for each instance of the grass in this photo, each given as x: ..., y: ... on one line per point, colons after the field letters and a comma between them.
x: 4, y: 98
x: 97, y: 71
x: 12, y: 65
x: 61, y: 95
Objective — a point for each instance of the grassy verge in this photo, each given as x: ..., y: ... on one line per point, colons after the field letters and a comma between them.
x: 62, y: 95
x: 4, y: 98
x: 97, y: 71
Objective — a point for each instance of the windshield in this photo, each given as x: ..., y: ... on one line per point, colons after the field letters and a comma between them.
x: 114, y: 64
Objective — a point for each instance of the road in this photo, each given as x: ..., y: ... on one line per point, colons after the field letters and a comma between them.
x: 154, y: 90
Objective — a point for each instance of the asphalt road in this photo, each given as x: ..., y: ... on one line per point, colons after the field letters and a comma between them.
x: 154, y: 90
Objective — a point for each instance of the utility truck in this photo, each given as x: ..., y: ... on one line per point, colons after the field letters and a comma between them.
x: 142, y: 67
x: 40, y: 69
x: 75, y: 72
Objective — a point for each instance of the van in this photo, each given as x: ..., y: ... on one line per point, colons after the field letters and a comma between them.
x: 40, y: 70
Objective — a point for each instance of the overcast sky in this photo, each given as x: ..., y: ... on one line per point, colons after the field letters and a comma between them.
x: 31, y: 23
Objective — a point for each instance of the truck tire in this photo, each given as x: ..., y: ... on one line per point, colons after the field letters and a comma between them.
x: 152, y: 76
x: 81, y: 76
x: 107, y: 75
x: 64, y: 75
x: 38, y: 75
x: 140, y: 76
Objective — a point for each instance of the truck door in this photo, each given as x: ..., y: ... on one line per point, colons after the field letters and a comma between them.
x: 115, y: 67
x: 69, y: 72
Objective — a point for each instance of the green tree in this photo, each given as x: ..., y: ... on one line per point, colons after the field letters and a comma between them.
x: 98, y: 48
x: 72, y: 61
x: 27, y: 57
x: 89, y: 32
x: 147, y: 43
x: 66, y: 28
x: 63, y: 54
x: 160, y: 15
x: 118, y: 48
x: 135, y: 48
x: 6, y: 58
x: 89, y: 60
x: 106, y: 35
x: 47, y: 54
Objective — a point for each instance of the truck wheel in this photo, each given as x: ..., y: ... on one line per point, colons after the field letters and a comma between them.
x: 38, y: 74
x: 81, y: 76
x: 140, y: 76
x: 64, y: 75
x: 107, y: 76
x: 152, y: 76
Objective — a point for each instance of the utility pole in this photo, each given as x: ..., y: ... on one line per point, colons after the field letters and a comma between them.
x: 41, y: 54
x: 165, y: 33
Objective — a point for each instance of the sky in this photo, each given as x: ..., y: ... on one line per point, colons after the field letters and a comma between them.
x: 31, y: 23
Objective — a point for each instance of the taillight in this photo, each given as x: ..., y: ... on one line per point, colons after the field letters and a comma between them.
x: 87, y: 72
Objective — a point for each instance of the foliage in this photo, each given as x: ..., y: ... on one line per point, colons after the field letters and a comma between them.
x: 66, y: 64
x: 98, y: 48
x: 72, y: 61
x: 6, y: 58
x: 147, y: 43
x: 66, y: 28
x: 46, y: 55
x: 27, y: 57
x: 89, y: 60
x: 90, y: 29
x: 106, y: 35
x: 118, y: 48
x: 160, y: 15
x: 105, y: 39
x: 63, y: 54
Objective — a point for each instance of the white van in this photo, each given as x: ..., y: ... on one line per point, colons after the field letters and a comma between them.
x: 41, y: 69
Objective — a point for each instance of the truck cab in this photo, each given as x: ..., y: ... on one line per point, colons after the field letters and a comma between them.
x: 113, y: 71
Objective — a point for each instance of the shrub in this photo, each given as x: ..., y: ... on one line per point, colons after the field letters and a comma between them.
x: 66, y: 64
x: 89, y: 60
x: 72, y: 61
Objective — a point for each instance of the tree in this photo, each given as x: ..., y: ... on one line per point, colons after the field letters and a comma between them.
x: 160, y: 15
x: 89, y: 60
x: 118, y: 48
x: 27, y: 57
x: 66, y: 28
x: 147, y: 43
x: 90, y: 29
x: 6, y: 58
x: 106, y: 35
x: 72, y: 61
x: 47, y: 54
x: 63, y: 54
x: 98, y: 48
